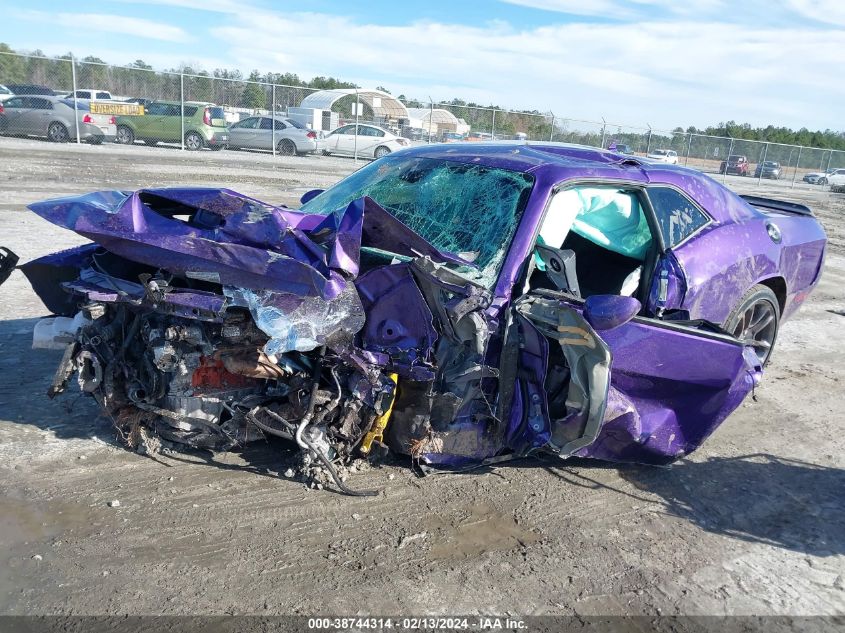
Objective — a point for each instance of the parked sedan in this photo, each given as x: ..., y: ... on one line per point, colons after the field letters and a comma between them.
x: 371, y: 141
x: 291, y: 137
x: 768, y: 169
x: 669, y: 156
x: 822, y: 178
x: 53, y: 117
x: 836, y: 180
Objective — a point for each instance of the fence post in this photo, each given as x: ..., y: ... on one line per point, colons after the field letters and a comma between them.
x: 493, y: 127
x: 727, y: 158
x: 273, y: 110
x: 430, y: 117
x: 760, y: 164
x: 603, y: 132
x: 797, y: 162
x: 75, y: 107
x: 648, y: 142
x: 552, y: 131
x: 182, y: 109
x: 689, y: 149
x: 829, y: 158
x: 357, y: 109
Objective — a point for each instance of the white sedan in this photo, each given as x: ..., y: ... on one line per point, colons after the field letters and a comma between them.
x: 370, y: 142
x: 664, y: 156
x: 836, y: 180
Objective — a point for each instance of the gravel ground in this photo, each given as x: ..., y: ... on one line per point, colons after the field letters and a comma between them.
x: 753, y: 523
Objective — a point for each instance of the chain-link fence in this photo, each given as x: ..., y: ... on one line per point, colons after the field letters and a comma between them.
x: 192, y: 109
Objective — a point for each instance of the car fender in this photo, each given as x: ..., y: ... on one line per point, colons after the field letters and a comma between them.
x: 722, y: 264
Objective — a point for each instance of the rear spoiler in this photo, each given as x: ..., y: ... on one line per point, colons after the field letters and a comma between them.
x: 777, y: 205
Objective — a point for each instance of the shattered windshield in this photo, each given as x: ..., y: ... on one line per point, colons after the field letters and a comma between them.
x: 461, y: 208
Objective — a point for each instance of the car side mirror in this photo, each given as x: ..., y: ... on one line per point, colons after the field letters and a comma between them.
x: 560, y: 268
x: 310, y: 195
x: 606, y: 312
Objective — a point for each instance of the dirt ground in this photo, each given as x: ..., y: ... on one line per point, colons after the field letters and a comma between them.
x: 753, y: 523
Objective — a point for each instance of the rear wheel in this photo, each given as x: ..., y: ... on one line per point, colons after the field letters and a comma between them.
x: 326, y: 152
x: 58, y: 133
x: 381, y: 152
x: 125, y: 135
x: 822, y: 181
x: 193, y: 141
x: 755, y: 321
x: 286, y: 147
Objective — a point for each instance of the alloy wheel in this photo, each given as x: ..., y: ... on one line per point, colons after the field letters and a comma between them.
x: 757, y: 328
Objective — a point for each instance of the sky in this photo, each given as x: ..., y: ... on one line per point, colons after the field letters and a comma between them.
x: 663, y: 63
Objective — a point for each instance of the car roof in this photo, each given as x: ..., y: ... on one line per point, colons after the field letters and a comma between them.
x: 558, y: 162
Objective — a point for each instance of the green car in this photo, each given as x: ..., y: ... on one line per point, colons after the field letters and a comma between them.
x: 205, y: 125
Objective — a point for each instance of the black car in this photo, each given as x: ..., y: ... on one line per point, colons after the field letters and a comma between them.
x: 31, y: 89
x: 768, y: 169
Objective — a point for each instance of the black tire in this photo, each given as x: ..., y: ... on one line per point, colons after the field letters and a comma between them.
x: 756, y: 320
x: 125, y: 135
x: 194, y: 141
x: 58, y: 133
x: 286, y: 147
x: 822, y: 181
x: 326, y: 152
x: 381, y: 152
x: 4, y: 123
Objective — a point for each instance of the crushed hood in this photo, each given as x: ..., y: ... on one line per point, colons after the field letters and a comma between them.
x: 222, y: 236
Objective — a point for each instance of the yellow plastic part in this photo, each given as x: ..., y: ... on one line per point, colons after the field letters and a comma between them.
x: 377, y: 432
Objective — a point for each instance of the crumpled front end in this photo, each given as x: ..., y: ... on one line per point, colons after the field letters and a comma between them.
x: 208, y: 319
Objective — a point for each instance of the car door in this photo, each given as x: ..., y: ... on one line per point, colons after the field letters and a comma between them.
x: 368, y: 139
x: 35, y: 115
x: 242, y: 133
x: 264, y: 133
x: 592, y: 384
x: 42, y: 115
x: 147, y: 124
x: 342, y: 140
x: 15, y: 121
x: 171, y: 122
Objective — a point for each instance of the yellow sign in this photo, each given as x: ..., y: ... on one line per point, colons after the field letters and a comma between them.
x: 121, y: 109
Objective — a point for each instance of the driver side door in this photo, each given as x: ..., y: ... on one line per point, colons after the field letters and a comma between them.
x: 242, y: 133
x: 593, y: 384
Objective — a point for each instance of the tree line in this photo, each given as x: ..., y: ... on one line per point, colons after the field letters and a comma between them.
x: 231, y: 88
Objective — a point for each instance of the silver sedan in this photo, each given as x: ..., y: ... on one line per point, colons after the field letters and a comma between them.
x: 53, y: 117
x: 291, y: 137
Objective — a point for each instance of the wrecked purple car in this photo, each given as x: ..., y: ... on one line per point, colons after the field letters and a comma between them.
x: 461, y: 305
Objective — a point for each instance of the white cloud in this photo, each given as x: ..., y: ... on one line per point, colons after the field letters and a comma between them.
x: 107, y: 23
x: 829, y: 11
x: 214, y: 6
x: 665, y: 73
x: 623, y: 9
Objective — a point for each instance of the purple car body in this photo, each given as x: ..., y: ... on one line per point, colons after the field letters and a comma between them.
x: 403, y: 345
